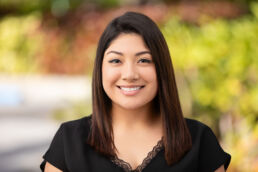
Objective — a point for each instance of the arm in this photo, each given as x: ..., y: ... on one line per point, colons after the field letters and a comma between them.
x: 54, y: 158
x: 220, y: 169
x: 51, y: 168
x: 212, y: 157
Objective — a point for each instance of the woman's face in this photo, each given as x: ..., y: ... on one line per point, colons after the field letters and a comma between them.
x: 128, y: 72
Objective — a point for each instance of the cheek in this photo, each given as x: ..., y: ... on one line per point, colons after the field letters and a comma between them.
x: 149, y: 75
x: 109, y: 76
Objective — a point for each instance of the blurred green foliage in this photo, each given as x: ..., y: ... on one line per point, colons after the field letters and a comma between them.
x: 19, y: 44
x: 217, y: 68
x: 61, y: 7
x: 216, y: 64
x: 57, y: 7
x: 22, y: 6
x: 219, y: 61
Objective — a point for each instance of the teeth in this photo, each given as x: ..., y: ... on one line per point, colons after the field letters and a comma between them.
x: 130, y: 89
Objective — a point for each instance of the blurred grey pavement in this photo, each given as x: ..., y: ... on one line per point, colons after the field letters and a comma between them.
x: 26, y: 124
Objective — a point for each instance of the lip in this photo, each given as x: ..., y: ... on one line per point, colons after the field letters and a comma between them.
x: 130, y: 93
x: 130, y: 86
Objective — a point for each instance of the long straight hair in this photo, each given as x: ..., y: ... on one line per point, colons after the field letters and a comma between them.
x: 176, y: 136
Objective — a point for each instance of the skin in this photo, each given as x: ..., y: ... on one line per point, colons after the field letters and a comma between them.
x: 125, y: 65
x: 50, y: 168
x: 220, y: 169
x: 127, y: 61
x: 136, y: 127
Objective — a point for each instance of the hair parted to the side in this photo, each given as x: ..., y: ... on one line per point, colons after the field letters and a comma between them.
x: 176, y: 136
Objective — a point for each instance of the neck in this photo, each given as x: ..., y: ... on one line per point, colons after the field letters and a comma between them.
x: 134, y: 118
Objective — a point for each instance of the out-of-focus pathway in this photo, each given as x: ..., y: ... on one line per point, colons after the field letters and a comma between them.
x: 26, y: 125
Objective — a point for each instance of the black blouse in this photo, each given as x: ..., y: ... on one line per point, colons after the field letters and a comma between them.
x: 70, y: 153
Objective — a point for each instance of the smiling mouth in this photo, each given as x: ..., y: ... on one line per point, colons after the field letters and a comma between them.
x: 130, y: 88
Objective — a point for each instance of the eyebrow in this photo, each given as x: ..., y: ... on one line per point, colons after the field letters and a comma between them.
x: 143, y: 52
x: 137, y: 54
x: 115, y: 52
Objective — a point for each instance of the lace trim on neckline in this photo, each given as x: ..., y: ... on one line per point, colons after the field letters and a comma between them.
x: 128, y: 168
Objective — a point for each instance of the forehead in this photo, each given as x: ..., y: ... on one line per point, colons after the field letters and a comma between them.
x: 128, y: 42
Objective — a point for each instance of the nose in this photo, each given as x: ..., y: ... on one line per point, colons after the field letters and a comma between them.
x: 130, y: 73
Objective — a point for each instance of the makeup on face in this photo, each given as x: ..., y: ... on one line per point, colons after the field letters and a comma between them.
x: 128, y: 72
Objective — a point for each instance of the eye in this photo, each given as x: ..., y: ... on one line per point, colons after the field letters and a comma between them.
x: 145, y: 61
x: 114, y: 61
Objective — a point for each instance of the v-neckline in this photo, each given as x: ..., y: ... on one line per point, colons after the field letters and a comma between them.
x: 128, y: 168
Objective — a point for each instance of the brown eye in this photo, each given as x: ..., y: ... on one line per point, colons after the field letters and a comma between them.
x: 145, y: 61
x: 114, y: 61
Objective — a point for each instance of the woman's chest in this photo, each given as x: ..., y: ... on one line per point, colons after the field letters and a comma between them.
x: 135, y: 152
x: 89, y: 160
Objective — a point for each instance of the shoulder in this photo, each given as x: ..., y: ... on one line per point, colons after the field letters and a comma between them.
x: 67, y: 142
x: 194, y: 125
x: 81, y: 125
x: 206, y: 147
x: 198, y: 129
x: 85, y: 121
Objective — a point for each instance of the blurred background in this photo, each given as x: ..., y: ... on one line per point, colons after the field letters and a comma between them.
x: 47, y: 50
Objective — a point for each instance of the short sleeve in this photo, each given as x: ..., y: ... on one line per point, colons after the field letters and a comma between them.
x: 211, y: 156
x: 55, y: 153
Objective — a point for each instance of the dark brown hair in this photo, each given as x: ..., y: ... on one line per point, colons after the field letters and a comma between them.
x: 176, y: 136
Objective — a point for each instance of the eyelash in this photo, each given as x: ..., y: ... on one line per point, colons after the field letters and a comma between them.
x: 114, y: 60
x: 117, y: 60
x: 146, y: 60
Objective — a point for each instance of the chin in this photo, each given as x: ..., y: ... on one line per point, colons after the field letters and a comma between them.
x: 131, y: 106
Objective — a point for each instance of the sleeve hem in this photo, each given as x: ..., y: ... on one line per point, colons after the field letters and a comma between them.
x: 224, y: 161
x: 52, y: 162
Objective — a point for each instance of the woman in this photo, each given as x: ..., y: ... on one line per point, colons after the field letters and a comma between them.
x: 137, y: 122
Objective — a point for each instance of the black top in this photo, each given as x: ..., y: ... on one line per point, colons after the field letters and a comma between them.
x: 69, y: 152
